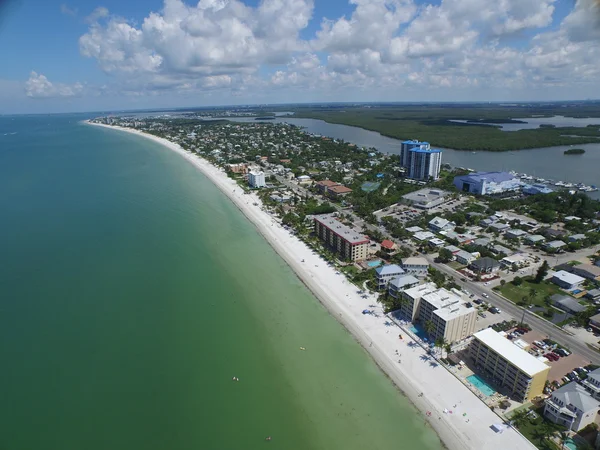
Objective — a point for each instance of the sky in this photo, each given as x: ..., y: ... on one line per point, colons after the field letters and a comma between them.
x: 95, y: 55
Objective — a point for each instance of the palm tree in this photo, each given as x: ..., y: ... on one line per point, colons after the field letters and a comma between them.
x: 448, y: 349
x: 519, y: 418
x: 439, y: 343
x: 429, y: 327
x: 532, y: 293
x: 564, y: 437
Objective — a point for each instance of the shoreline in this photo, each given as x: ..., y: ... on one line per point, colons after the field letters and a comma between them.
x: 413, y: 375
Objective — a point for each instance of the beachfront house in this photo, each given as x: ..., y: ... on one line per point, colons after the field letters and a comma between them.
x: 401, y: 283
x: 417, y: 266
x: 571, y: 406
x: 592, y: 383
x: 387, y: 273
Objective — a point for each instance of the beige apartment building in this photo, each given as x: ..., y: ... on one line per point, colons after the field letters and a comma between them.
x: 341, y: 239
x: 507, y: 365
x: 453, y: 320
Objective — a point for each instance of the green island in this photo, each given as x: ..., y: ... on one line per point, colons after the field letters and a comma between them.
x: 574, y: 151
x: 437, y: 124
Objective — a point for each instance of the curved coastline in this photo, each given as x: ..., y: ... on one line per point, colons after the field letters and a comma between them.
x: 413, y: 375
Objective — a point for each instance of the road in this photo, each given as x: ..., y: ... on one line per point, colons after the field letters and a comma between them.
x: 537, y: 323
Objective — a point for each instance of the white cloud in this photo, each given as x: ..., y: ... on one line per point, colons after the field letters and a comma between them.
x: 68, y: 11
x: 98, y: 13
x: 38, y: 86
x: 389, y: 46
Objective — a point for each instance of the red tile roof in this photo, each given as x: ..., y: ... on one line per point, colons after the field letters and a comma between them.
x: 388, y: 244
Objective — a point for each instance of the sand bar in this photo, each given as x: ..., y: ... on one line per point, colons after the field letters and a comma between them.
x: 413, y: 374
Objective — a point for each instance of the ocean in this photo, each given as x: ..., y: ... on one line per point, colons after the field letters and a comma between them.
x: 132, y: 291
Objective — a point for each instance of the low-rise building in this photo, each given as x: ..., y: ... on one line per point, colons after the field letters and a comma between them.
x: 593, y: 295
x: 241, y: 168
x: 462, y: 239
x: 452, y: 249
x: 567, y: 304
x: 425, y: 198
x: 485, y: 265
x: 592, y: 383
x: 515, y: 261
x: 341, y: 239
x: 438, y: 224
x: 453, y: 320
x: 401, y: 283
x: 482, y: 242
x: 595, y: 322
x: 417, y: 266
x: 388, y: 246
x: 507, y: 365
x: 567, y: 280
x: 338, y: 191
x: 576, y: 237
x: 436, y: 242
x: 501, y: 249
x: 533, y: 239
x: 323, y: 185
x: 554, y: 245
x: 571, y: 406
x: 387, y: 273
x: 423, y: 235
x: 499, y: 227
x: 464, y: 257
x: 588, y: 271
x: 515, y: 233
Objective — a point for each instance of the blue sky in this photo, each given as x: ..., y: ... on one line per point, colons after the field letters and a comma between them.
x: 78, y: 55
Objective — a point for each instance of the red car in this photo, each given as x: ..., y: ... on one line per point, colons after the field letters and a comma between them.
x: 551, y: 356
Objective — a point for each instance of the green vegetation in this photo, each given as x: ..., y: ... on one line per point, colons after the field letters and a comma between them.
x: 528, y: 292
x: 574, y: 151
x: 550, y: 207
x: 432, y: 123
x: 537, y: 429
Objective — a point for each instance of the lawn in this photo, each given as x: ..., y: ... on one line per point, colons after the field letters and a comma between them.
x: 542, y: 290
x: 456, y: 265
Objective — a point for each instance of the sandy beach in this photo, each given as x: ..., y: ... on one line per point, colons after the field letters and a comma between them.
x: 469, y: 424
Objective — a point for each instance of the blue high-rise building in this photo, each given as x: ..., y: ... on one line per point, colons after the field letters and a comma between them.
x: 420, y: 160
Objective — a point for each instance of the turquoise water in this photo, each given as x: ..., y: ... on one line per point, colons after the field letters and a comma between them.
x: 570, y: 444
x: 481, y: 385
x: 128, y: 303
x: 374, y: 263
x: 419, y: 331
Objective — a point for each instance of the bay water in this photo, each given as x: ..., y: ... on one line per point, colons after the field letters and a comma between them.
x: 132, y: 291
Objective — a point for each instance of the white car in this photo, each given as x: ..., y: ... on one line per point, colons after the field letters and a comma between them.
x: 484, y: 295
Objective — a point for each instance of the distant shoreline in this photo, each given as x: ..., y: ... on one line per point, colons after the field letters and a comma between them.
x: 340, y: 298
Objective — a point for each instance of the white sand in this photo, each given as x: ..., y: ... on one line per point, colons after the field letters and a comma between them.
x: 413, y: 375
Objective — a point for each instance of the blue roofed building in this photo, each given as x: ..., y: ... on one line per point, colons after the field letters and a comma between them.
x: 387, y: 273
x: 534, y: 189
x: 406, y: 146
x: 488, y: 183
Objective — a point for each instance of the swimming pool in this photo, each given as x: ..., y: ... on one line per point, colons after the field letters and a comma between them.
x: 374, y: 263
x: 570, y: 444
x: 418, y: 331
x: 577, y: 291
x: 481, y: 385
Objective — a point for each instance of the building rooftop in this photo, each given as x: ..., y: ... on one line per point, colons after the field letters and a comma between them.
x: 327, y: 183
x: 555, y: 244
x: 404, y: 280
x: 421, y: 290
x: 516, y: 356
x: 569, y: 278
x: 567, y: 303
x: 589, y: 268
x: 339, y: 189
x: 447, y: 305
x: 485, y: 263
x: 425, y: 150
x: 415, y: 261
x: 425, y: 195
x: 494, y: 177
x: 386, y: 243
x: 423, y: 235
x: 575, y: 394
x: 340, y: 229
x: 389, y: 269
